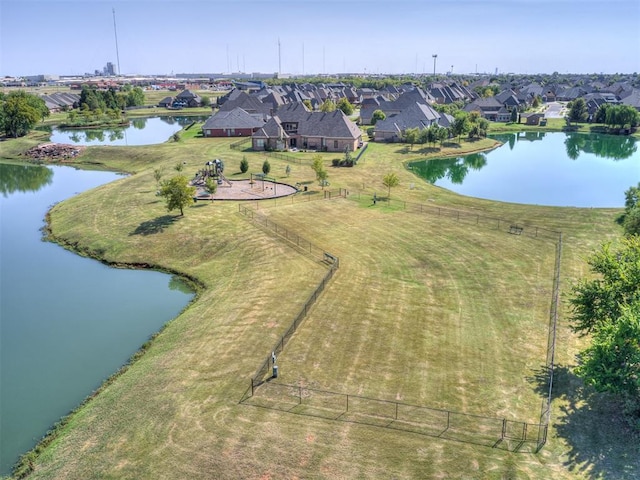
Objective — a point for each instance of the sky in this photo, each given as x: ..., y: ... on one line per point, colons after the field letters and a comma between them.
x: 165, y: 37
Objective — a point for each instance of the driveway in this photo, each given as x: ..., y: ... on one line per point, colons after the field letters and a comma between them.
x: 555, y: 110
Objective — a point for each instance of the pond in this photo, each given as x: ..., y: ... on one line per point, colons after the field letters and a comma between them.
x: 538, y: 168
x: 68, y: 322
x: 141, y: 131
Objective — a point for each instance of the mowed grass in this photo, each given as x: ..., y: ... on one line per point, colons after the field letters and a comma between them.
x: 424, y: 310
x: 475, y: 300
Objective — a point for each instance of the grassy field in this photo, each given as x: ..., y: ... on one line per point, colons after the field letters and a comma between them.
x: 423, y: 310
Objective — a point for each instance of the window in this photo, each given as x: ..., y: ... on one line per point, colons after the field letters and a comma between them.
x: 335, y: 144
x: 259, y: 143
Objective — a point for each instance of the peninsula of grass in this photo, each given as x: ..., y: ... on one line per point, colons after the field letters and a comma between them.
x: 423, y: 310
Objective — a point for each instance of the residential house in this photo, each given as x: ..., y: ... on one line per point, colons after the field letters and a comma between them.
x: 233, y: 123
x: 187, y: 98
x: 489, y: 108
x: 294, y: 126
x: 417, y: 115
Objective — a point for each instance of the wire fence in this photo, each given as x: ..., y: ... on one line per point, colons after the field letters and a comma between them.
x: 240, y: 144
x: 472, y: 218
x: 489, y: 431
x: 495, y: 432
x: 309, y: 249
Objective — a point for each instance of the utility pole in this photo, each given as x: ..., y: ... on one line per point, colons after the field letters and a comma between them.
x: 115, y: 31
x: 435, y: 57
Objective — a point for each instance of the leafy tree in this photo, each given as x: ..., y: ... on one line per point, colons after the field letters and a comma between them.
x: 317, y: 165
x: 307, y: 103
x: 211, y: 186
x: 411, y: 136
x: 20, y: 112
x: 244, y: 165
x: 205, y: 101
x: 578, y: 111
x: 619, y: 116
x: 598, y: 301
x: 287, y: 170
x: 266, y: 167
x: 135, y: 97
x: 536, y: 102
x: 345, y: 106
x: 461, y: 124
x: 177, y: 193
x: 328, y: 106
x: 390, y: 180
x: 631, y: 217
x: 377, y: 115
x: 514, y: 115
x: 322, y: 178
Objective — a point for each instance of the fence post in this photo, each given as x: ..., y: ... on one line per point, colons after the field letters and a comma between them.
x: 252, y: 387
x: 347, y: 402
x: 504, y: 428
x: 524, y: 431
x: 396, y: 410
x: 448, y: 419
x: 299, y: 395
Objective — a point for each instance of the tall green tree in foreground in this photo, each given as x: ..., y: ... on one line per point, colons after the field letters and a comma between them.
x: 177, y: 193
x: 608, y: 307
x: 345, y: 106
x: 20, y: 112
x: 328, y: 106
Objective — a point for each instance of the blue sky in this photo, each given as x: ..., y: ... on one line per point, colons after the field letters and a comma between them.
x: 328, y: 36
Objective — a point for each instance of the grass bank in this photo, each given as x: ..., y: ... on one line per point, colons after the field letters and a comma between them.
x: 423, y: 310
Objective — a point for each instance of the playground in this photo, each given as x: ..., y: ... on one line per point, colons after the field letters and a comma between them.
x: 257, y: 187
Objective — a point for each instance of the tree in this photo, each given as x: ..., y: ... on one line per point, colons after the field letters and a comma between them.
x: 411, y: 136
x: 578, y: 111
x: 211, y: 186
x: 205, y: 101
x: 328, y: 106
x: 177, y: 193
x: 287, y: 170
x: 377, y: 115
x: 514, y: 115
x: 631, y: 217
x: 390, y: 180
x: 609, y: 308
x: 317, y: 165
x: 266, y: 167
x: 20, y: 112
x: 461, y: 124
x: 322, y: 178
x: 244, y: 165
x: 307, y: 103
x: 345, y: 106
x: 135, y: 97
x: 598, y: 301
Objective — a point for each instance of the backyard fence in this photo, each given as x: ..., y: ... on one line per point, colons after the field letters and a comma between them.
x: 488, y: 431
x: 240, y: 144
x: 333, y: 263
x: 482, y: 430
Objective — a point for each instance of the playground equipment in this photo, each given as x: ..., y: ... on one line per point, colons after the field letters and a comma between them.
x: 213, y: 169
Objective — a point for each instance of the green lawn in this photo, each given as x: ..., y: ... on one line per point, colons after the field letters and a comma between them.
x: 423, y: 310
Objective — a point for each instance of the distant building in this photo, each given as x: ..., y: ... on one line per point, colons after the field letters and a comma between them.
x: 109, y: 70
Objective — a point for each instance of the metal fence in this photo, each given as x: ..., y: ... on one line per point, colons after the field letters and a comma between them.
x: 308, y: 248
x: 476, y: 429
x: 240, y: 144
x: 494, y: 432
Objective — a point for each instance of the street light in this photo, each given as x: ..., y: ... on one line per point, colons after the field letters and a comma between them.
x: 435, y: 56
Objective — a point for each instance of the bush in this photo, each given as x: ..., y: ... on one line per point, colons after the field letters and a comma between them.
x: 244, y: 165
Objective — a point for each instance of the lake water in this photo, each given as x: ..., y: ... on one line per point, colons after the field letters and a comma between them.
x: 537, y: 168
x: 66, y: 322
x: 141, y: 131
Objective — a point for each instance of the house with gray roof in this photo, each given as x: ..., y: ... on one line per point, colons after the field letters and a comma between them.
x: 417, y: 115
x: 489, y: 108
x: 233, y: 123
x: 293, y: 126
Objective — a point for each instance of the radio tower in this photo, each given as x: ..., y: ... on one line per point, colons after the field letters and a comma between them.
x: 115, y: 31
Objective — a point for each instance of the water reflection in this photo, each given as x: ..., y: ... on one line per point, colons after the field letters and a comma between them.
x: 603, y: 146
x: 23, y: 178
x: 455, y: 169
x: 541, y: 168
